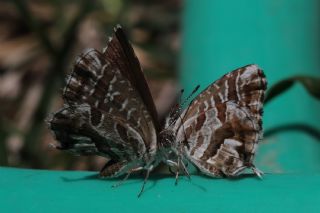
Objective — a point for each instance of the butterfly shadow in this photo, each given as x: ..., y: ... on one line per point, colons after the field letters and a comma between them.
x: 133, y: 179
x: 242, y: 177
x: 234, y: 178
x: 136, y: 179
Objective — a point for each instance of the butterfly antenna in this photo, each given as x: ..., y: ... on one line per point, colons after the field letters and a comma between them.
x: 178, y: 107
x: 180, y: 98
x: 175, y: 110
x: 186, y: 112
x: 191, y: 94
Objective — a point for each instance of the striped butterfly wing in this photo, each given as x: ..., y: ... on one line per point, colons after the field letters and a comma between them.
x: 223, y: 124
x: 120, y: 52
x: 108, y: 109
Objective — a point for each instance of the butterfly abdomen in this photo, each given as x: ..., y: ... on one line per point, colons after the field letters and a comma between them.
x: 113, y: 169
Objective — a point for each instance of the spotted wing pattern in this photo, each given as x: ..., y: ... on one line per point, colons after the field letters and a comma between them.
x: 223, y: 124
x: 106, y: 111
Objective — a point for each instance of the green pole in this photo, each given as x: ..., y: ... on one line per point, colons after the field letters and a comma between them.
x: 283, y: 38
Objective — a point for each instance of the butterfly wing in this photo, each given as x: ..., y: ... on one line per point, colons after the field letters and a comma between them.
x: 106, y: 113
x: 223, y: 124
x: 120, y: 48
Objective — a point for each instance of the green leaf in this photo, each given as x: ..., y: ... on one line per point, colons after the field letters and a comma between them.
x: 311, y: 84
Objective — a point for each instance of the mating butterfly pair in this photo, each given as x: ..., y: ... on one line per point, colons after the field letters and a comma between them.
x: 109, y: 112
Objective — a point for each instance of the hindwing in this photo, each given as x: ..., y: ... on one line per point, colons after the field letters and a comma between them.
x: 223, y: 124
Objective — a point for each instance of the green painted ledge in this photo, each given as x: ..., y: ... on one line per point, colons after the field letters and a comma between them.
x: 23, y: 190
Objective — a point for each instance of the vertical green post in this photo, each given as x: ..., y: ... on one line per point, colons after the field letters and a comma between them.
x: 283, y: 38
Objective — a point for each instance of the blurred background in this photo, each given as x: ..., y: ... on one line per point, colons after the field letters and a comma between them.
x: 39, y: 41
x: 187, y: 42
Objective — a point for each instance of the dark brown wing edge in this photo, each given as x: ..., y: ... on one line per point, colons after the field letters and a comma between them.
x: 134, y: 73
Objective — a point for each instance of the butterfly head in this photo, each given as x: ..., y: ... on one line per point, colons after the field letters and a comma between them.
x: 166, y: 139
x: 168, y: 146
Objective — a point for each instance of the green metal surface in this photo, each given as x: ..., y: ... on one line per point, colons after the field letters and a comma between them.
x: 283, y: 38
x: 55, y: 191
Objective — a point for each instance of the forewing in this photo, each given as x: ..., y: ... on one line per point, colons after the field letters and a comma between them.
x: 120, y: 53
x: 230, y: 109
x: 101, y: 84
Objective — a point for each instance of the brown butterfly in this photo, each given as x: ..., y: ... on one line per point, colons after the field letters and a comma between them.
x: 109, y: 112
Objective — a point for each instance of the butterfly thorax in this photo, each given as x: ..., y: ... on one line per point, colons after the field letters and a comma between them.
x: 167, y: 145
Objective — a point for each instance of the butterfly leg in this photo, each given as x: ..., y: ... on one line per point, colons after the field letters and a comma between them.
x: 127, y: 176
x: 177, y: 165
x: 177, y: 172
x: 185, y: 170
x: 180, y: 164
x: 145, y: 180
x: 257, y: 172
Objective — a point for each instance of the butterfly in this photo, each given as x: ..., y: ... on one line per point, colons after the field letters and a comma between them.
x: 109, y: 111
